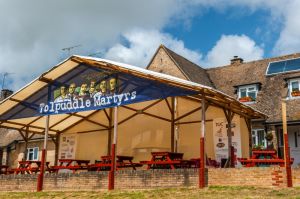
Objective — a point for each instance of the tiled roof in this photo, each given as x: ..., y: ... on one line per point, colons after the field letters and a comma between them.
x: 273, y: 88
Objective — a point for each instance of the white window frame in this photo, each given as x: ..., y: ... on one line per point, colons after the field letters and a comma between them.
x: 255, y: 135
x: 291, y: 81
x: 247, y: 87
x: 33, y: 149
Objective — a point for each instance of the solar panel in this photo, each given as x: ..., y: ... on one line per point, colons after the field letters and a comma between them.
x: 283, y: 66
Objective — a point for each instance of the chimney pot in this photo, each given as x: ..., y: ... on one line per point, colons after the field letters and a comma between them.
x: 5, y: 93
x: 236, y: 60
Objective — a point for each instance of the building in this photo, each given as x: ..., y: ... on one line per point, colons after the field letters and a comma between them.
x: 261, y: 84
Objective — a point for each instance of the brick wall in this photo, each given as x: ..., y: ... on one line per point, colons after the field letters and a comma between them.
x: 296, y: 177
x: 162, y: 63
x: 143, y: 179
x: 256, y: 176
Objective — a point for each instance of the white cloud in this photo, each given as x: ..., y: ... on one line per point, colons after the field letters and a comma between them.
x: 283, y: 17
x: 34, y: 32
x: 289, y: 40
x: 142, y: 46
x: 231, y: 45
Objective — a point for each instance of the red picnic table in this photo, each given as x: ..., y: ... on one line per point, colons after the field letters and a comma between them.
x: 122, y: 162
x: 167, y: 160
x: 28, y: 166
x: 71, y: 164
x: 263, y: 158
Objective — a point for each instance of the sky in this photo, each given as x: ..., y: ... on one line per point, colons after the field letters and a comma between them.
x: 207, y: 32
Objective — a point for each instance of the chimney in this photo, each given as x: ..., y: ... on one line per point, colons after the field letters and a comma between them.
x: 236, y: 60
x: 4, y: 93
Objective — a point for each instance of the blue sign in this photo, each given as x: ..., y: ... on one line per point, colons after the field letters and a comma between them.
x: 90, y: 88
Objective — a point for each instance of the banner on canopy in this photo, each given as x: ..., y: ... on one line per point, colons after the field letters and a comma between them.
x: 90, y: 95
x: 89, y: 88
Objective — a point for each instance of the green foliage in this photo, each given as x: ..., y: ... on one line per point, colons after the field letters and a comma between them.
x: 269, y: 137
x: 258, y: 147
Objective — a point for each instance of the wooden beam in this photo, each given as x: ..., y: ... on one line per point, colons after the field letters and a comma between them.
x: 23, y: 135
x: 106, y: 114
x: 45, y: 80
x: 172, y: 123
x: 34, y: 120
x: 216, y: 104
x: 88, y: 120
x: 60, y: 121
x: 157, y: 117
x: 192, y: 122
x: 30, y: 126
x: 32, y: 134
x: 169, y: 106
x: 128, y: 118
x: 91, y: 131
x: 142, y: 111
x: 13, y: 128
x: 80, y: 121
x: 188, y: 113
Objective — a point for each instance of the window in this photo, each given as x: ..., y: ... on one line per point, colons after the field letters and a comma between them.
x: 258, y: 138
x: 248, y: 93
x: 283, y: 66
x: 294, y: 88
x: 280, y: 138
x: 33, y: 153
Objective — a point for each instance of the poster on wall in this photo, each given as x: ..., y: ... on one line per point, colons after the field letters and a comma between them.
x: 221, y: 140
x: 67, y: 147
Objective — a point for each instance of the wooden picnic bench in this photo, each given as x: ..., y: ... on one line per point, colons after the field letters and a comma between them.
x: 263, y: 158
x: 164, y: 160
x: 27, y: 166
x: 70, y: 164
x: 121, y: 162
x: 263, y: 162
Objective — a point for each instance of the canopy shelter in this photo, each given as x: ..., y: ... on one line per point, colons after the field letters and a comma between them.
x: 82, y: 89
x: 26, y: 107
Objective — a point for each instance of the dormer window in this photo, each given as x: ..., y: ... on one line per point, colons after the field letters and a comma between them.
x: 247, y: 93
x: 294, y: 88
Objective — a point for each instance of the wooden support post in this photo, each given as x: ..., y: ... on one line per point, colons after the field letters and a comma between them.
x: 176, y: 125
x: 111, y: 176
x: 26, y: 145
x: 202, y: 147
x: 229, y: 134
x: 286, y: 147
x: 57, y: 141
x: 43, y: 158
x: 229, y: 116
x: 26, y: 139
x: 109, y: 131
x: 172, y: 124
x: 249, y: 127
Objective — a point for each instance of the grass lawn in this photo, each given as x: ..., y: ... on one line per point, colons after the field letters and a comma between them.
x: 211, y: 192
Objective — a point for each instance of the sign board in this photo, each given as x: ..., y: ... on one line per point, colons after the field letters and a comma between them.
x: 67, y: 146
x: 221, y: 140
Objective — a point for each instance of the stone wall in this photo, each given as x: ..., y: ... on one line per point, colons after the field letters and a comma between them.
x: 147, y: 179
